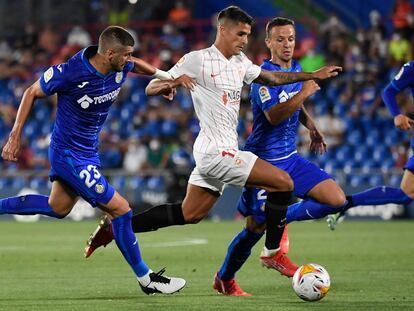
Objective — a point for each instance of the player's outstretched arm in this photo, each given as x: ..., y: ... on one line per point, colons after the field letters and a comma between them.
x: 165, y: 87
x: 282, y: 111
x: 144, y: 68
x: 12, y: 147
x: 278, y: 77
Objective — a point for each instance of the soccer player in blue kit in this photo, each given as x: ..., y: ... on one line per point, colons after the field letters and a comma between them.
x: 277, y: 112
x: 87, y: 85
x: 384, y: 194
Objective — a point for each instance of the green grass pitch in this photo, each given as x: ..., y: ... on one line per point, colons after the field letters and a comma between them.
x: 42, y: 268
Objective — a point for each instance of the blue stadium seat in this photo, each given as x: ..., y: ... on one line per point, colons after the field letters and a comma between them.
x: 156, y: 183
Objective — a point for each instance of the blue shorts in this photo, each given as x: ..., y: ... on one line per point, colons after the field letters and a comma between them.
x: 81, y: 174
x: 305, y: 176
x: 410, y: 164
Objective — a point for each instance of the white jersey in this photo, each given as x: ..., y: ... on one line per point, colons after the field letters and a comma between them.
x: 216, y: 97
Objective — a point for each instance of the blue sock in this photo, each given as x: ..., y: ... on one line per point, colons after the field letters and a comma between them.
x: 128, y: 243
x: 30, y: 204
x: 238, y: 252
x: 380, y: 195
x: 310, y: 209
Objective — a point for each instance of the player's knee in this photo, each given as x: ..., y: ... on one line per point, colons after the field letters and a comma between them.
x: 339, y: 200
x: 193, y: 217
x: 60, y: 209
x: 285, y: 182
x: 255, y: 227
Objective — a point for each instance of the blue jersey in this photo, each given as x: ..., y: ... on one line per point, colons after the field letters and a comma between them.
x: 267, y: 141
x: 84, y: 99
x: 405, y: 78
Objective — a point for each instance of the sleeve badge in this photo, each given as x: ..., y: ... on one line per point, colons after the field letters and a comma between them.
x: 264, y: 94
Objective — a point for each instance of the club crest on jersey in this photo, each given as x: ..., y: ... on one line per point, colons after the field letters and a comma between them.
x: 99, y: 188
x: 119, y: 76
x: 48, y: 75
x: 264, y: 94
x: 231, y: 97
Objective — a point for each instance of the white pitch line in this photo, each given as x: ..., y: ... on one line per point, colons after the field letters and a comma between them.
x: 177, y: 243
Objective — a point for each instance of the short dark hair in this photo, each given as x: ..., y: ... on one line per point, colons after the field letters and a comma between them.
x: 278, y: 21
x: 115, y: 35
x: 235, y: 14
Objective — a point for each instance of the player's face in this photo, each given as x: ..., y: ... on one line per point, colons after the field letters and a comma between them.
x: 281, y: 42
x: 235, y: 36
x: 119, y: 57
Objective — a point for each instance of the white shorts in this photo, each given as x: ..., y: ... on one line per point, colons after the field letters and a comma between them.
x: 230, y: 167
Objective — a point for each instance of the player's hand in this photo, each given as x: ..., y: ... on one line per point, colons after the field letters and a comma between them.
x: 310, y: 87
x: 403, y: 122
x: 318, y: 144
x: 11, y: 149
x: 184, y: 81
x: 170, y: 94
x: 327, y: 72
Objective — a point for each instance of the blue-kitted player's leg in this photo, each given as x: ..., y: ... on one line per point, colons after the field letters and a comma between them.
x: 322, y: 195
x: 58, y: 204
x: 381, y: 195
x: 241, y: 246
x: 84, y: 177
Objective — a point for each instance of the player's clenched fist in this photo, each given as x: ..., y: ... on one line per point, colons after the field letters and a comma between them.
x: 403, y: 122
x: 310, y: 87
x: 11, y: 149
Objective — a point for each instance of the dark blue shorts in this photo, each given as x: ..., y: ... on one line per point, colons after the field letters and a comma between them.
x: 305, y: 176
x: 81, y: 174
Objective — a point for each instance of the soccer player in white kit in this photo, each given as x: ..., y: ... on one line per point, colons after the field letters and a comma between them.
x: 215, y: 76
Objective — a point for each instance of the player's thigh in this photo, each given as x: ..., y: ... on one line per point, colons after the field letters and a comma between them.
x: 328, y: 192
x: 62, y: 198
x: 117, y: 206
x: 266, y: 176
x: 198, y: 202
x: 407, y: 183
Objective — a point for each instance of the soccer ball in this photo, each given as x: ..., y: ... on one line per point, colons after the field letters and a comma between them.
x: 311, y: 282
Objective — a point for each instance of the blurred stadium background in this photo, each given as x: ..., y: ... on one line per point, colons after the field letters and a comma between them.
x: 146, y: 145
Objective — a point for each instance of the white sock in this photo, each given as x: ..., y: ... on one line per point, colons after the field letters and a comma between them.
x: 145, y: 279
x: 269, y: 252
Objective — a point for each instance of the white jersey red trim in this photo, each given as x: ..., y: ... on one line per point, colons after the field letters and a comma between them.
x: 216, y: 97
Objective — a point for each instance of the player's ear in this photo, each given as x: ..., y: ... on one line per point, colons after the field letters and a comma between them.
x: 267, y: 41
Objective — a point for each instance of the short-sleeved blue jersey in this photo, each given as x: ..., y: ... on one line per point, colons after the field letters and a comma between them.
x: 405, y: 78
x: 84, y: 99
x: 267, y: 141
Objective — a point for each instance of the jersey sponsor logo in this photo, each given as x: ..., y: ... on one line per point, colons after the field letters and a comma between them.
x: 119, y: 76
x: 59, y: 67
x: 82, y: 84
x: 231, y: 97
x: 283, y: 97
x: 48, y: 75
x: 264, y: 94
x: 85, y: 101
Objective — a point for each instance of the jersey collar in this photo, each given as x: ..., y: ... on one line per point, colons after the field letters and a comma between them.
x: 88, y: 51
x: 279, y: 67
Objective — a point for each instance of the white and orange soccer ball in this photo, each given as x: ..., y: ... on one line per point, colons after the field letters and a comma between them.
x: 311, y: 282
